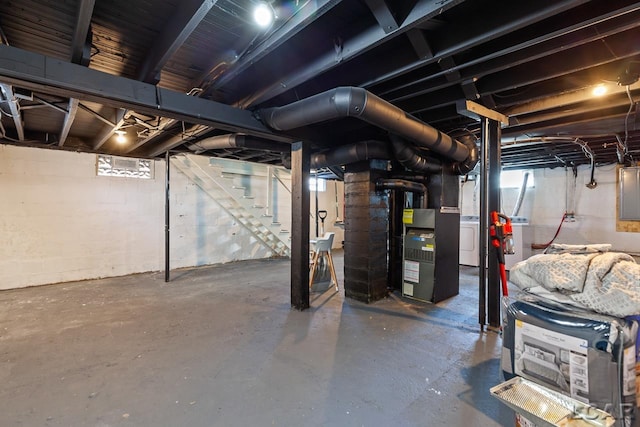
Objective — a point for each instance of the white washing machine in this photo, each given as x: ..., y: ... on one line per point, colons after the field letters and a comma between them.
x: 470, y: 235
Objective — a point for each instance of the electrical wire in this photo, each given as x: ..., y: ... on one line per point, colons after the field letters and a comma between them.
x: 626, y: 119
x: 546, y: 245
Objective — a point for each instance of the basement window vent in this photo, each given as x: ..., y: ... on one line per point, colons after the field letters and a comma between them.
x: 124, y: 167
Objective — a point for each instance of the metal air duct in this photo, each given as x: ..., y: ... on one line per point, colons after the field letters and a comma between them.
x: 235, y: 140
x: 346, y: 154
x: 356, y: 102
x: 404, y: 185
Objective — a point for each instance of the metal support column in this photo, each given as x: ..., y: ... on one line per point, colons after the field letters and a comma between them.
x: 490, y: 167
x: 300, y: 205
x: 491, y: 138
x: 166, y: 216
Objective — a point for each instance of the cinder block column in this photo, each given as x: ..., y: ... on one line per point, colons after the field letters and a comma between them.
x: 366, y: 224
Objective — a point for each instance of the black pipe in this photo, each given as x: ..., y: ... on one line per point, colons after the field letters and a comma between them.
x: 404, y: 185
x: 346, y: 154
x: 356, y: 102
x: 468, y: 164
x: 234, y: 140
x: 166, y: 218
x: 337, y: 171
x: 411, y: 159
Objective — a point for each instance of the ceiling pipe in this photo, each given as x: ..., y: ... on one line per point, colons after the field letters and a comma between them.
x: 411, y: 159
x: 352, y: 153
x: 356, y: 102
x: 404, y: 185
x: 468, y: 164
x: 235, y: 140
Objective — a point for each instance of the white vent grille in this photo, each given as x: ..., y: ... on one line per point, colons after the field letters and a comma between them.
x: 124, y: 167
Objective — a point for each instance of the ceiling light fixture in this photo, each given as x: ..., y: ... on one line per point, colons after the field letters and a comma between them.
x: 599, y: 90
x: 120, y: 139
x: 263, y: 14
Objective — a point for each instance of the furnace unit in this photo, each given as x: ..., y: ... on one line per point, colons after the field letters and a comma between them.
x: 430, y: 254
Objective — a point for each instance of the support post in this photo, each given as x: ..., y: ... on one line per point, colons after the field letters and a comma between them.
x: 395, y: 239
x: 300, y: 205
x: 483, y: 235
x: 490, y: 167
x: 166, y: 217
x: 493, y: 135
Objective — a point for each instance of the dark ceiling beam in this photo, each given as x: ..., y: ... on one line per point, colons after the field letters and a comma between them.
x: 572, y: 110
x: 420, y: 43
x: 187, y: 16
x: 69, y: 116
x: 49, y: 75
x: 383, y: 15
x: 81, y: 43
x: 617, y: 47
x: 468, y: 86
x: 306, y: 16
x: 511, y: 19
x: 193, y: 134
x: 99, y: 141
x: 570, y: 98
x: 566, y: 64
x: 351, y: 48
x: 568, y: 37
x: 579, y: 122
x: 96, y: 115
x: 14, y: 108
x: 80, y: 54
x: 164, y: 126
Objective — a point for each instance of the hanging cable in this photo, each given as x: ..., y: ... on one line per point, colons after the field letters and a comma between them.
x: 546, y: 245
x: 626, y: 119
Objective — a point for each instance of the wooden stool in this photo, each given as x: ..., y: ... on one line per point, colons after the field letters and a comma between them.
x: 323, y: 248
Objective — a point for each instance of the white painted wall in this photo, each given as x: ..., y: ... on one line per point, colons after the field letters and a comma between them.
x: 544, y: 205
x: 60, y: 222
x: 334, y: 206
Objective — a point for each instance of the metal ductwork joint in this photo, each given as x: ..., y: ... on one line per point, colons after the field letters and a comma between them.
x: 404, y: 185
x: 468, y: 164
x: 346, y: 154
x: 239, y: 141
x: 356, y: 102
x: 411, y: 159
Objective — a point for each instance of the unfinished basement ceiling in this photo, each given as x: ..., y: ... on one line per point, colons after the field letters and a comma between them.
x: 536, y: 63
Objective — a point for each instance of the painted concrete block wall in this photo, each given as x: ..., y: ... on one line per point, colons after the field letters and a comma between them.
x: 202, y: 232
x: 60, y: 222
x: 555, y: 192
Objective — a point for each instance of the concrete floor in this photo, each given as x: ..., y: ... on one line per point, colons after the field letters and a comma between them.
x: 220, y: 346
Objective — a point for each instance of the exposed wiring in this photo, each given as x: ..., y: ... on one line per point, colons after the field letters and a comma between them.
x: 9, y: 113
x: 546, y: 245
x: 626, y: 119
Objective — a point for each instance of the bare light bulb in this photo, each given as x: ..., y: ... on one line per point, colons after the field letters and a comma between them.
x: 599, y: 90
x: 263, y: 14
x: 120, y: 139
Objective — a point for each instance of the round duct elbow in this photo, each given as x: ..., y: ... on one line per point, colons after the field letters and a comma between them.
x: 468, y: 164
x: 409, y: 157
